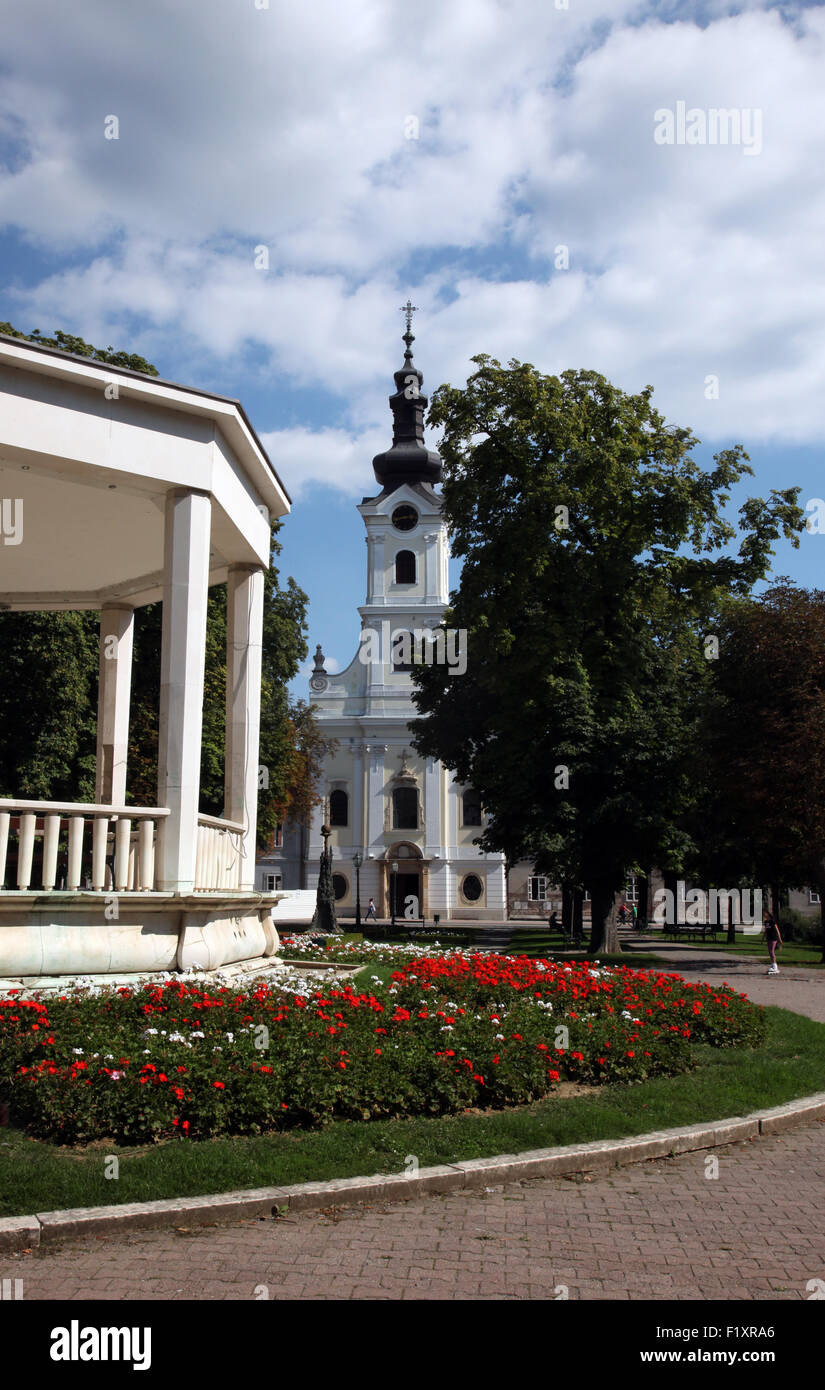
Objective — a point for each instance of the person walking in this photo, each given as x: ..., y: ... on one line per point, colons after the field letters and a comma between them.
x: 370, y: 912
x: 774, y: 941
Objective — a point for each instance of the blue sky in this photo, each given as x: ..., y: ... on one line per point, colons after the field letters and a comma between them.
x: 441, y: 151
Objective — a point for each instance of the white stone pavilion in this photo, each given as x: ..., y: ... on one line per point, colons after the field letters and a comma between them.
x: 118, y: 490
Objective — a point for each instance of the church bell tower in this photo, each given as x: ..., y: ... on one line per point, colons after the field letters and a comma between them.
x: 401, y: 813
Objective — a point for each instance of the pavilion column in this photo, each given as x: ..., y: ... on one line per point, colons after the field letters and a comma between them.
x: 244, y: 643
x: 117, y: 625
x: 183, y: 644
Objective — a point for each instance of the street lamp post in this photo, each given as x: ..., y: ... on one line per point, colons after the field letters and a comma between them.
x: 358, y: 860
x: 394, y: 887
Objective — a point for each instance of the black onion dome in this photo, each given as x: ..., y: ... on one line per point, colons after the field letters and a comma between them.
x: 409, y: 460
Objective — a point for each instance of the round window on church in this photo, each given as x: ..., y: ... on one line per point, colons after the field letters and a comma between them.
x: 404, y: 517
x: 472, y: 888
x: 340, y: 887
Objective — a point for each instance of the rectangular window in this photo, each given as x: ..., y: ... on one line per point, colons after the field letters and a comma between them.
x: 272, y: 883
x: 631, y: 892
x: 279, y: 837
x: 405, y: 808
x: 813, y: 898
x: 538, y: 890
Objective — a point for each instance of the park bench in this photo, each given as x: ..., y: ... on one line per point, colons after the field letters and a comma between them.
x: 689, y: 931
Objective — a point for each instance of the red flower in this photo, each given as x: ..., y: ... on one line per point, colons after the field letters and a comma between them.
x: 219, y: 1085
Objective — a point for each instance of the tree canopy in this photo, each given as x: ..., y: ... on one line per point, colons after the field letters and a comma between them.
x: 762, y: 736
x: 69, y: 342
x: 596, y: 557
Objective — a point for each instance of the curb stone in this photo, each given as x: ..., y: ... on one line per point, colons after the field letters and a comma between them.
x: 18, y: 1233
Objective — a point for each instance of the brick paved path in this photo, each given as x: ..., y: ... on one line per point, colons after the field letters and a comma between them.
x: 655, y: 1230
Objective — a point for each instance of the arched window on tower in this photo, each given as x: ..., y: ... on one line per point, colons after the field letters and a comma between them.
x: 405, y: 567
x: 338, y: 808
x: 471, y: 807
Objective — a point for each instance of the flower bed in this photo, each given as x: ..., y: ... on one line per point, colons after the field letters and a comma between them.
x: 452, y: 1032
x: 301, y: 947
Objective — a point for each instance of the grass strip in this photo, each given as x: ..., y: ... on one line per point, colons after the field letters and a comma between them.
x: 38, y: 1176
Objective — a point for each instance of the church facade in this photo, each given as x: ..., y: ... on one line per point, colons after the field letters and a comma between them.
x: 412, y: 824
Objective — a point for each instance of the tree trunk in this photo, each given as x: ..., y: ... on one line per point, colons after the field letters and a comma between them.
x: 776, y: 900
x: 604, y: 931
x: 731, y: 933
x: 567, y: 911
x: 578, y: 902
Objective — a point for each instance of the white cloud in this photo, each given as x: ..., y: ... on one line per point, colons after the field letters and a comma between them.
x: 329, y: 457
x: 285, y: 127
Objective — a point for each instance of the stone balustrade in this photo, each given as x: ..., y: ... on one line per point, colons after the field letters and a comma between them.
x: 218, y: 863
x: 71, y: 846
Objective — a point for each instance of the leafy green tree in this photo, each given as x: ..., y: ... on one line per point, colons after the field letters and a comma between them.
x: 588, y: 586
x: 68, y: 342
x: 48, y: 705
x: 763, y: 733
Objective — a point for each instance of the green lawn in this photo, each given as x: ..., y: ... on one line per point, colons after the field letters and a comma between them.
x: 37, y: 1176
x: 790, y: 953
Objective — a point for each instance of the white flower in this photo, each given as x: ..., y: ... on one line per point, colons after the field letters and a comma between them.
x: 78, y: 1051
x: 197, y: 1034
x: 147, y: 1032
x: 231, y: 1037
x: 116, y: 1075
x: 176, y: 1037
x: 499, y: 1037
x: 446, y: 1028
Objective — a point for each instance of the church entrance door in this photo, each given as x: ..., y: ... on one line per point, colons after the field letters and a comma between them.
x: 407, y: 885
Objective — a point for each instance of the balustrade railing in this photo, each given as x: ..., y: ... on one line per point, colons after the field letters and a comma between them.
x: 218, y: 862
x: 52, y: 846
x: 47, y: 846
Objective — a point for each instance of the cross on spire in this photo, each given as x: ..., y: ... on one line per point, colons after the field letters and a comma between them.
x: 409, y: 309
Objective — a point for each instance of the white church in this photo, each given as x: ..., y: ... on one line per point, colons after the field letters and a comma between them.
x: 411, y: 826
